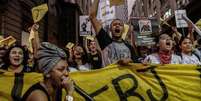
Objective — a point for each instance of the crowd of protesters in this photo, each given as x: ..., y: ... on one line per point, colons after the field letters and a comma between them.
x: 56, y: 63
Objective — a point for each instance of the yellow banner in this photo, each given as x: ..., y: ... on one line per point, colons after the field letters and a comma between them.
x: 17, y: 84
x: 126, y: 83
x: 39, y: 12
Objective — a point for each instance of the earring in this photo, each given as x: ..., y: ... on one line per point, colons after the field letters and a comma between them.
x: 47, y: 76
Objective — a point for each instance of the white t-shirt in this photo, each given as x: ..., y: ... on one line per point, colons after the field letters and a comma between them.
x: 190, y: 59
x: 154, y: 59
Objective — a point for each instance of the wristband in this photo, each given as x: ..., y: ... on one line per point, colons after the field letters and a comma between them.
x: 69, y: 98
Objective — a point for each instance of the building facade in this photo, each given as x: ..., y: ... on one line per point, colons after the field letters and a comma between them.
x: 15, y: 18
x: 59, y: 25
x: 157, y: 8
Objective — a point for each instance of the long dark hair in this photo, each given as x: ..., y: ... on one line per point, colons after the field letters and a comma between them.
x: 7, y: 60
x: 180, y: 50
x: 183, y: 38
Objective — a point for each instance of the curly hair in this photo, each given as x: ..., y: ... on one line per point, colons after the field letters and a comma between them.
x: 7, y: 60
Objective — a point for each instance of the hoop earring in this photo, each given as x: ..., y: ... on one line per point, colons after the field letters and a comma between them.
x: 47, y: 76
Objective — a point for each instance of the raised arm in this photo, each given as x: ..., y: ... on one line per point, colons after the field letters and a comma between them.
x: 190, y: 32
x: 102, y: 36
x: 176, y: 33
x: 35, y: 41
x: 93, y: 11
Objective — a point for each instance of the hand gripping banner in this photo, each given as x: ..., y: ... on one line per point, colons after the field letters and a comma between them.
x: 134, y: 82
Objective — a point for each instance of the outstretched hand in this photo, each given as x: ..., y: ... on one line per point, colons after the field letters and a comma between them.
x: 124, y: 62
x: 146, y: 62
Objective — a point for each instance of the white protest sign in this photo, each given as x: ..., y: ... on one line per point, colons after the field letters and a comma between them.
x: 145, y: 29
x: 105, y: 13
x: 180, y: 22
x: 85, y: 26
x: 145, y: 26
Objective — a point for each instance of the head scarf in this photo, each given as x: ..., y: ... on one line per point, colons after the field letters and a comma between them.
x: 48, y: 56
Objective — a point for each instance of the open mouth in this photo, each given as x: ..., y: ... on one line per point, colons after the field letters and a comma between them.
x: 168, y: 43
x: 78, y: 54
x: 117, y: 30
x: 16, y: 59
x: 93, y: 47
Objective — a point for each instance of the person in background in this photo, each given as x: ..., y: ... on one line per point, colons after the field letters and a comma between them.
x: 143, y: 52
x: 165, y: 54
x: 69, y: 50
x: 79, y: 60
x: 115, y: 48
x: 94, y: 55
x: 16, y: 60
x: 52, y: 62
x: 186, y: 52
